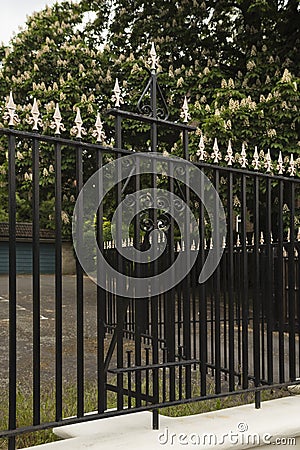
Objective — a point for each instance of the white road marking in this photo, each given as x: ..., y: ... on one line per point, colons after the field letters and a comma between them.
x: 21, y: 308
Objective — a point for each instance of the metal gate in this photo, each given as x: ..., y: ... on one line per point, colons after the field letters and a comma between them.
x: 180, y: 344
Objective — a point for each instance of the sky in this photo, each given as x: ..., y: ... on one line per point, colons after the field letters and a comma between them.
x: 14, y: 12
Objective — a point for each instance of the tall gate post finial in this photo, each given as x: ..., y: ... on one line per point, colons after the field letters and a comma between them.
x: 153, y: 58
x: 158, y: 107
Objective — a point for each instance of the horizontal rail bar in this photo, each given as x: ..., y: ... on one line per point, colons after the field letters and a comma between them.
x: 157, y: 121
x: 86, y: 145
x: 246, y: 172
x: 130, y: 392
x: 91, y: 417
x: 155, y: 366
x: 60, y: 140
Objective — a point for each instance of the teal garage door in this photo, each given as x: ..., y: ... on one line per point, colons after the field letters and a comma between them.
x: 24, y: 258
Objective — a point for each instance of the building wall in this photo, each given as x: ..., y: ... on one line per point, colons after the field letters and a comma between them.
x: 68, y: 259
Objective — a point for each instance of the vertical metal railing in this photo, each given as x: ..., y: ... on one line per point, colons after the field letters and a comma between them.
x: 12, y: 420
x: 58, y: 283
x: 256, y: 292
x: 36, y: 283
x: 79, y: 290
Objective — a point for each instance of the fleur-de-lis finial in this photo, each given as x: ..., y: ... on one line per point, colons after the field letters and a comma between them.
x: 78, y: 130
x: 268, y: 161
x: 229, y: 155
x: 292, y: 166
x: 153, y: 61
x: 99, y: 132
x: 56, y: 124
x: 117, y: 97
x: 216, y: 154
x: 243, y: 159
x: 262, y: 240
x: 185, y: 111
x: 11, y: 115
x: 35, y: 119
x: 201, y: 153
x: 255, y: 161
x: 280, y: 166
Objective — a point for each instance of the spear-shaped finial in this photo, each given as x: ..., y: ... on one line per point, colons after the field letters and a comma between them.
x: 243, y: 159
x: 292, y: 166
x: 153, y: 57
x: 57, y: 124
x: 11, y: 115
x: 185, y: 111
x: 216, y: 154
x: 255, y: 161
x: 117, y: 97
x: 201, y: 153
x: 78, y: 130
x: 99, y: 132
x: 35, y: 117
x: 280, y: 166
x: 229, y: 155
x: 268, y: 162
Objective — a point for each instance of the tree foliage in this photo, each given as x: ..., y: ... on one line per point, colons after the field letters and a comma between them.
x: 237, y: 62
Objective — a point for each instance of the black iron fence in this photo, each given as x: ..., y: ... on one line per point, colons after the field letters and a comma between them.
x: 236, y: 332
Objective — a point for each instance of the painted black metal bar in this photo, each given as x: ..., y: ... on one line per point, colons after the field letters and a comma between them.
x: 36, y: 351
x: 121, y: 302
x: 230, y: 274
x: 256, y: 292
x: 269, y: 281
x: 154, y: 144
x: 153, y: 119
x: 138, y: 303
x: 169, y: 303
x: 263, y: 309
x: 12, y: 419
x: 129, y: 377
x: 79, y: 290
x: 245, y: 305
x: 202, y: 298
x: 182, y: 363
x: 291, y: 283
x: 194, y: 310
x: 58, y: 282
x: 280, y: 290
x: 187, y: 280
x: 224, y: 319
x: 164, y: 375
x: 217, y: 305
x: 101, y: 304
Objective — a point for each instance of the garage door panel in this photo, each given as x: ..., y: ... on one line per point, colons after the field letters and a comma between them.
x: 24, y: 258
